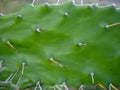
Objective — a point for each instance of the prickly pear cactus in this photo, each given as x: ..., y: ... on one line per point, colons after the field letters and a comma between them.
x: 60, y: 47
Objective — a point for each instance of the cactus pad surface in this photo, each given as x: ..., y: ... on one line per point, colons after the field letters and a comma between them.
x: 60, y: 43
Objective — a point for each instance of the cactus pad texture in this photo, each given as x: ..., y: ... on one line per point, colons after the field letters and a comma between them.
x: 60, y: 47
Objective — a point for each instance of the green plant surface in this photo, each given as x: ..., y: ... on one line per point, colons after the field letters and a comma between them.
x: 78, y: 38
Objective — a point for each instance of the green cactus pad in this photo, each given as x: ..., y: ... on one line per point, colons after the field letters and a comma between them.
x: 60, y: 43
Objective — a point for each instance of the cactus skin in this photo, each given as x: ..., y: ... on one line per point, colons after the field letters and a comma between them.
x: 74, y: 36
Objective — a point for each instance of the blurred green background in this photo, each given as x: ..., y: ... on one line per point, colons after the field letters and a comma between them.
x: 10, y: 6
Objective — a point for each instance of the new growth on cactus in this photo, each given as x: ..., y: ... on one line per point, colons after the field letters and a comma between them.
x: 60, y: 47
